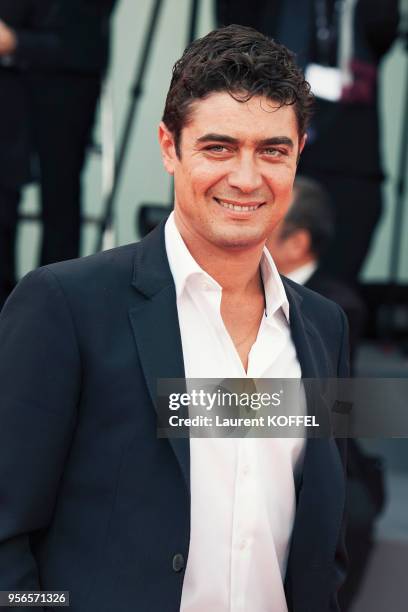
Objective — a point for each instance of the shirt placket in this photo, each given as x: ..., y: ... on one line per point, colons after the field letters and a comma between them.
x: 243, y: 524
x: 211, y: 297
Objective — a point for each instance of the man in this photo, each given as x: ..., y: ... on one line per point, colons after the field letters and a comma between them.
x: 92, y: 500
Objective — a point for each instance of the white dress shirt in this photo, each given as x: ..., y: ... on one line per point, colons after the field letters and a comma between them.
x: 242, y: 489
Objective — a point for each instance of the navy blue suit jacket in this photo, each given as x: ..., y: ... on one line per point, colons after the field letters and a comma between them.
x: 91, y: 500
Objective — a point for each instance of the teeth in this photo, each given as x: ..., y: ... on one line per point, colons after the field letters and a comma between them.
x: 238, y: 208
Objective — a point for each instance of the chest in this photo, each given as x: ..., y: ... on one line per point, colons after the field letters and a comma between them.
x: 210, y: 336
x: 242, y: 320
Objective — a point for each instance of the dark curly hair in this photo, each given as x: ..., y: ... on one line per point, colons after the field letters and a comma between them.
x: 243, y: 62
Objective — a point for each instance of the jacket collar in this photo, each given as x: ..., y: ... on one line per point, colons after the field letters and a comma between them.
x: 151, y: 270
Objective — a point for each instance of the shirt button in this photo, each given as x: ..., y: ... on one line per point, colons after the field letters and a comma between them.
x: 207, y: 286
x: 242, y: 545
x: 245, y: 470
x: 178, y: 562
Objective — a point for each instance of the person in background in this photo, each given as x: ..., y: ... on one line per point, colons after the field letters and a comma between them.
x: 53, y: 56
x: 298, y: 245
x: 23, y: 25
x: 64, y: 105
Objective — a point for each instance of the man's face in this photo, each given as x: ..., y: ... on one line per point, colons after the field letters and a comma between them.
x: 233, y: 180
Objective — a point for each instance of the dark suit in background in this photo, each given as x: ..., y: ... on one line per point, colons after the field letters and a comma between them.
x: 61, y: 57
x: 64, y: 104
x: 15, y: 144
x: 347, y: 299
x: 92, y: 500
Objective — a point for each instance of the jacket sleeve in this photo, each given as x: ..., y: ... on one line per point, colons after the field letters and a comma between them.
x: 39, y: 388
x: 341, y: 560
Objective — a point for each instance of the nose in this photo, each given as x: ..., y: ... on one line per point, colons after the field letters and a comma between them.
x: 245, y: 175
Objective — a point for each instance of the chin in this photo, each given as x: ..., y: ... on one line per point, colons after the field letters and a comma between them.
x: 237, y: 240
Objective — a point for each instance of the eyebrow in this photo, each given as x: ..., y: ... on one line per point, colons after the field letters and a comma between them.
x: 275, y: 140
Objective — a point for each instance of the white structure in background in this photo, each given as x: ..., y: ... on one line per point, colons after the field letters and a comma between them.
x: 108, y: 155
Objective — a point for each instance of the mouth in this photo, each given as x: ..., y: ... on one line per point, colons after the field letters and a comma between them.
x: 243, y: 207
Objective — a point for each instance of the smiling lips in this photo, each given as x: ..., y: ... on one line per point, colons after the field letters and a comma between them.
x: 237, y: 207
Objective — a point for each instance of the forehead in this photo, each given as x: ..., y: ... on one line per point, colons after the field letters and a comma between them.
x: 256, y: 119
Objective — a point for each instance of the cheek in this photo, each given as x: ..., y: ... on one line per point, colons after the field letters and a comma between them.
x: 196, y: 183
x: 207, y: 176
x: 283, y: 180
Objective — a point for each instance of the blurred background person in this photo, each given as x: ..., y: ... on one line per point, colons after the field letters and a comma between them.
x: 14, y: 117
x: 54, y: 54
x: 64, y: 105
x: 297, y: 246
x: 340, y: 44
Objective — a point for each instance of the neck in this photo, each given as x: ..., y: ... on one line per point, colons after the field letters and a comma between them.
x: 237, y: 269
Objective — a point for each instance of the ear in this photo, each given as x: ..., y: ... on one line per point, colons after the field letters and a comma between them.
x: 167, y: 146
x: 302, y: 143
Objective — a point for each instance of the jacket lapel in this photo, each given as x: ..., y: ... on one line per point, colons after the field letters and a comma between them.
x: 301, y: 334
x: 155, y: 325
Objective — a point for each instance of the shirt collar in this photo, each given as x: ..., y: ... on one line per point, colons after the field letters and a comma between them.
x: 301, y: 275
x: 275, y: 294
x: 183, y: 266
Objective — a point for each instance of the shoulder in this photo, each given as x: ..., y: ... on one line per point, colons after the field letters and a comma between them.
x: 101, y: 272
x: 78, y: 283
x: 113, y: 261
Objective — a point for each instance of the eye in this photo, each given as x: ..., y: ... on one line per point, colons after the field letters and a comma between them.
x: 272, y: 152
x: 216, y: 148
